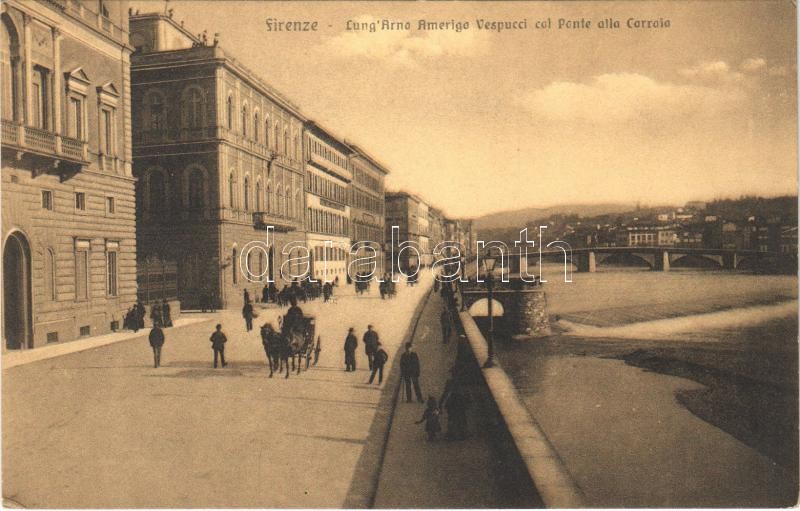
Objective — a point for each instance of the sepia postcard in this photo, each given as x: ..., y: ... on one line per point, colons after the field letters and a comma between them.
x: 399, y: 254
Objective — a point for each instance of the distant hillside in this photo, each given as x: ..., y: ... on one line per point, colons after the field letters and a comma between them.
x: 518, y: 218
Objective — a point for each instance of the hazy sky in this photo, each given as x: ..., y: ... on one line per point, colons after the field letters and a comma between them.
x: 480, y: 121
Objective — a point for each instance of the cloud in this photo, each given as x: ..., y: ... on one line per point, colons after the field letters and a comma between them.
x: 712, y: 72
x: 401, y: 47
x: 752, y: 64
x: 627, y: 97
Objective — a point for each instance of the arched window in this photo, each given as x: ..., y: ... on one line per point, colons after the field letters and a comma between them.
x: 255, y: 126
x: 244, y: 120
x: 193, y: 108
x: 258, y: 196
x: 246, y: 194
x: 235, y: 266
x: 280, y: 197
x: 196, y: 189
x: 277, y: 136
x: 50, y: 274
x: 289, y: 203
x: 154, y: 112
x: 298, y: 148
x: 266, y: 131
x: 231, y: 190
x: 261, y: 265
x: 268, y: 202
x: 229, y: 112
x: 158, y: 190
x: 298, y: 202
x: 286, y: 142
x: 10, y: 52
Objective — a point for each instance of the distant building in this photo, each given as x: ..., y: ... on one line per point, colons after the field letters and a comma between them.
x: 402, y: 211
x: 690, y: 236
x: 367, y: 206
x: 218, y: 157
x: 646, y: 235
x: 68, y: 218
x: 328, y: 177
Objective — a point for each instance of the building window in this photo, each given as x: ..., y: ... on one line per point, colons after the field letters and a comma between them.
x: 267, y: 201
x: 40, y: 97
x: 277, y: 137
x: 266, y: 132
x: 75, y: 118
x: 82, y: 269
x: 80, y: 201
x: 158, y: 189
x: 247, y: 194
x: 47, y: 200
x: 110, y: 205
x: 255, y: 126
x: 235, y: 266
x: 230, y: 190
x: 244, y: 120
x: 112, y: 249
x: 258, y: 196
x: 154, y: 112
x: 50, y: 274
x: 107, y: 131
x: 229, y: 111
x: 193, y: 108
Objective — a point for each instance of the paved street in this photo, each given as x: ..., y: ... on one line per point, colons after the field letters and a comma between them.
x: 103, y: 428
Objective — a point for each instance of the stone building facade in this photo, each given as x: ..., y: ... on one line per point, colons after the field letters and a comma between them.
x: 328, y: 177
x: 68, y: 220
x: 218, y: 156
x: 368, y: 209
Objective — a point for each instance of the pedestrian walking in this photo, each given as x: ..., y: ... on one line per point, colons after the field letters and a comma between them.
x: 156, y: 342
x: 247, y: 313
x: 218, y: 341
x: 445, y: 321
x: 166, y: 314
x: 431, y: 419
x: 456, y: 405
x: 246, y: 296
x: 378, y: 361
x: 265, y: 294
x: 350, y: 345
x: 140, y: 313
x: 409, y: 372
x: 370, y: 344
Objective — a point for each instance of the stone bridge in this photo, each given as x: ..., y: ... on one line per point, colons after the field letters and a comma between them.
x: 657, y: 258
x: 524, y: 305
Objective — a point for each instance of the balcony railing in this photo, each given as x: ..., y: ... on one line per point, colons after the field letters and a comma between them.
x: 43, y: 142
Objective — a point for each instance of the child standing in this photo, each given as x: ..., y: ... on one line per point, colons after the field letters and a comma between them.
x: 431, y: 419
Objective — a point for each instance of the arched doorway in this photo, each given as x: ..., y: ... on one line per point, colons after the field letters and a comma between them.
x: 17, y: 314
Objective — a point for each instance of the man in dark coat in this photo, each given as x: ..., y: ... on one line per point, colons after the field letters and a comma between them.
x: 166, y: 314
x: 218, y: 341
x: 350, y: 345
x: 247, y: 313
x: 156, y: 342
x: 140, y: 312
x: 377, y: 364
x: 246, y: 296
x: 370, y: 344
x: 265, y: 294
x: 155, y: 314
x: 409, y: 372
x: 444, y: 320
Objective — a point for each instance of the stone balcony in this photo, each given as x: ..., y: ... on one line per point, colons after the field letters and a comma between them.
x: 50, y: 151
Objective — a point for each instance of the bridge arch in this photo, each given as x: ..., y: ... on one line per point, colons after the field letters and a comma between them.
x: 696, y: 261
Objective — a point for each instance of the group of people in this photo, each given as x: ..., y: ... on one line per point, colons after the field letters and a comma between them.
x: 301, y: 291
x: 387, y: 287
x: 160, y: 314
x: 376, y: 355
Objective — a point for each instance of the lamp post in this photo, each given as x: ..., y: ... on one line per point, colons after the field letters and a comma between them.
x: 489, y: 262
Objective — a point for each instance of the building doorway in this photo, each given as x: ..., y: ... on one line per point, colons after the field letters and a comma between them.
x: 17, y: 314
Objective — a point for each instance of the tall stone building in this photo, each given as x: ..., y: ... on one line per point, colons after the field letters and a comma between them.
x: 69, y: 247
x: 402, y: 211
x: 368, y: 208
x: 218, y: 155
x: 328, y: 177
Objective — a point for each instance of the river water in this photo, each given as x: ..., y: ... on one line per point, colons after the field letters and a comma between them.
x: 668, y: 388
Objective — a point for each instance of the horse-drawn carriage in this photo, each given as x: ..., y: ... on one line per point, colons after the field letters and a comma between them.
x: 294, y: 341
